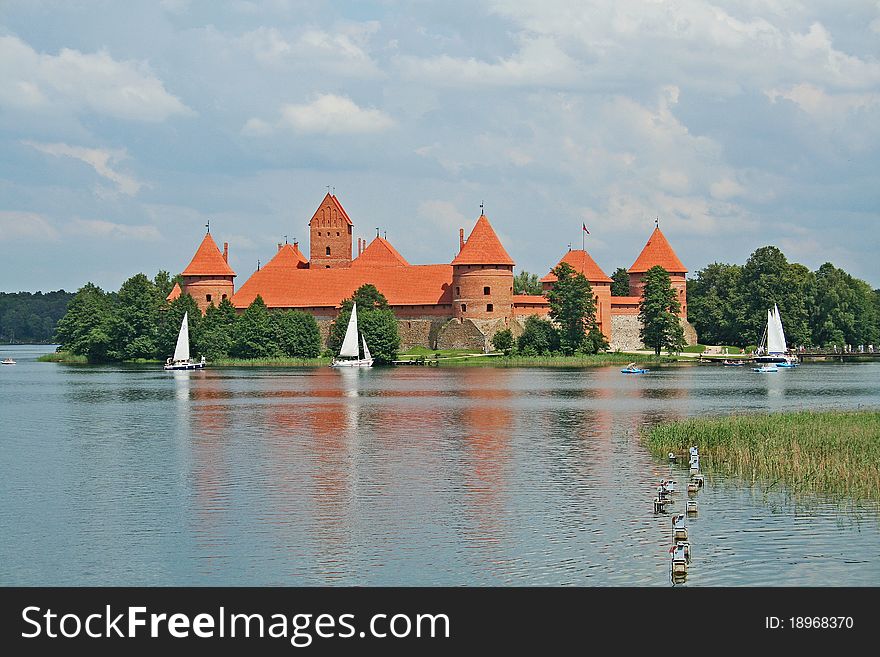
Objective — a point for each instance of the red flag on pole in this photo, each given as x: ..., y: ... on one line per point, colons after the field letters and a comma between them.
x: 585, y: 229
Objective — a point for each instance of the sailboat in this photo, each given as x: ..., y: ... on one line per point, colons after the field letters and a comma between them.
x: 181, y: 359
x: 349, y: 353
x: 773, y: 347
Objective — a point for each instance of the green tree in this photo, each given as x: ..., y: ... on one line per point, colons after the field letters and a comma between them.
x: 503, y: 341
x: 843, y: 310
x: 539, y: 338
x: 658, y: 313
x: 169, y: 326
x: 254, y: 335
x: 573, y: 309
x: 768, y: 278
x: 134, y: 323
x: 296, y: 333
x: 217, y: 330
x: 164, y: 283
x: 380, y: 329
x: 526, y: 283
x: 84, y: 328
x: 713, y: 304
x: 620, y: 283
x: 367, y: 298
x: 27, y: 317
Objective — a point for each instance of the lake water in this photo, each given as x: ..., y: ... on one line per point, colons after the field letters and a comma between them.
x: 405, y: 476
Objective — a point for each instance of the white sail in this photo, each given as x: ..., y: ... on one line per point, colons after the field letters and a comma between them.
x: 181, y: 351
x: 366, y: 349
x: 350, y: 343
x: 775, y: 334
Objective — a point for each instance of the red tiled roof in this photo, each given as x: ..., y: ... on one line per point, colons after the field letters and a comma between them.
x: 288, y: 255
x: 581, y: 262
x: 380, y: 253
x: 175, y: 292
x: 331, y: 201
x: 530, y: 298
x: 290, y: 287
x: 657, y: 252
x: 482, y: 247
x: 208, y: 261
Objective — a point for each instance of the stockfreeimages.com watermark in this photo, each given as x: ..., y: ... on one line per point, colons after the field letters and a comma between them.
x: 300, y: 629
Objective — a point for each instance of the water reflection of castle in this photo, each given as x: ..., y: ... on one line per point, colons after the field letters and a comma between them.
x: 457, y: 305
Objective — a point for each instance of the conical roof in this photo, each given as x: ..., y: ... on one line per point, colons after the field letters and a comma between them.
x: 581, y: 262
x: 208, y: 261
x: 288, y: 255
x: 380, y: 253
x: 175, y: 293
x: 657, y: 252
x: 483, y: 247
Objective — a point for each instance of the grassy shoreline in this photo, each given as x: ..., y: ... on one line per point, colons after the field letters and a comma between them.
x: 451, y: 358
x: 835, y: 453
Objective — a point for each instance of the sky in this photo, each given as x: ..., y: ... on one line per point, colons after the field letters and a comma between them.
x: 126, y: 126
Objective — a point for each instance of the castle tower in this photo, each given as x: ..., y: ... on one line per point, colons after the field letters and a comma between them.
x: 330, y: 236
x: 658, y: 252
x: 583, y: 263
x: 208, y: 277
x: 482, y: 276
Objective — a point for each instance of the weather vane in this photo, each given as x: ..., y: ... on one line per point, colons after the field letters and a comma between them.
x: 208, y: 225
x: 481, y: 208
x: 377, y: 231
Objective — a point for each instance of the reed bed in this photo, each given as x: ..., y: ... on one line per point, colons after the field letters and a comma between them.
x: 63, y: 357
x: 835, y: 453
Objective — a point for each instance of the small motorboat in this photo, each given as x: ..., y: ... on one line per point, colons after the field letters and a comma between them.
x: 632, y: 369
x: 766, y: 368
x: 7, y: 361
x: 733, y: 363
x: 788, y: 363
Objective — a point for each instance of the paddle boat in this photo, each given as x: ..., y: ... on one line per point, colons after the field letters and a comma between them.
x: 632, y: 369
x: 733, y: 363
x: 766, y: 368
x: 7, y: 361
x: 679, y: 560
x: 684, y: 545
x: 668, y: 485
x: 679, y: 529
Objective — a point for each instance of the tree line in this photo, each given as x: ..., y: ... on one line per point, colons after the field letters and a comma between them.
x: 727, y: 304
x: 138, y: 323
x: 30, y: 317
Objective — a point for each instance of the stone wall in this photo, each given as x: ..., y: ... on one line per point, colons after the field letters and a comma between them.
x: 625, y: 333
x: 461, y: 334
x: 420, y: 332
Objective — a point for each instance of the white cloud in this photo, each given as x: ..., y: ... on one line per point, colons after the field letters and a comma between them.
x: 82, y: 82
x: 443, y: 215
x: 97, y: 158
x: 725, y: 189
x: 110, y: 230
x: 327, y: 114
x: 539, y: 61
x: 341, y: 52
x: 25, y: 226
x: 818, y: 103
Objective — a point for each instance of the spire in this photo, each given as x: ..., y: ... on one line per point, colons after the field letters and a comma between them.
x: 208, y: 261
x: 380, y: 253
x: 483, y: 247
x: 657, y: 252
x: 581, y: 262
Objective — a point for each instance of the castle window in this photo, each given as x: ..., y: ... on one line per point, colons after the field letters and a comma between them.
x: 223, y: 298
x: 328, y: 250
x: 319, y: 233
x: 464, y: 307
x: 327, y: 266
x: 490, y: 307
x: 458, y: 291
x: 208, y: 298
x: 486, y: 290
x: 337, y: 233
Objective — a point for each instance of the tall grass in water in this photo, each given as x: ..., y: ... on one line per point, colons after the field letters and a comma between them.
x: 834, y: 452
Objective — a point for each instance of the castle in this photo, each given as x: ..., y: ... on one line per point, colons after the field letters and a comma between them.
x: 460, y: 305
